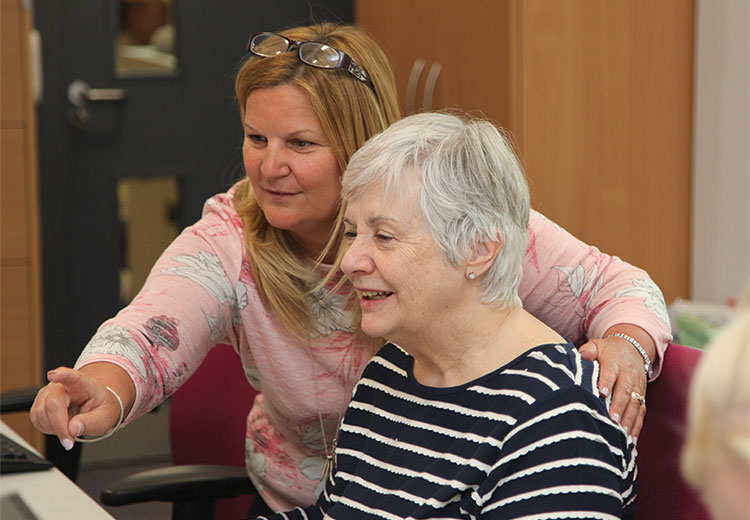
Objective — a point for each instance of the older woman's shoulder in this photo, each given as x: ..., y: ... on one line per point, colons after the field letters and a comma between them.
x: 555, y: 366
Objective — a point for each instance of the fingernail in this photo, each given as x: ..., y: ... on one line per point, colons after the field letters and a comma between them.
x: 67, y: 444
x: 616, y: 417
x: 635, y: 440
x: 605, y: 391
x: 627, y: 430
x: 51, y: 373
x: 80, y: 430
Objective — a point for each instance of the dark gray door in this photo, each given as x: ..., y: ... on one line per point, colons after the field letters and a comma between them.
x: 184, y: 127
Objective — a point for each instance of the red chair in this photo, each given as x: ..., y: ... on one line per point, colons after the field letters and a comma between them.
x: 662, y: 492
x: 207, y: 434
x: 207, y: 417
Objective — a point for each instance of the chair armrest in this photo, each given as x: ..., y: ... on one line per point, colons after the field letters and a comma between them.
x: 18, y: 400
x: 191, y: 482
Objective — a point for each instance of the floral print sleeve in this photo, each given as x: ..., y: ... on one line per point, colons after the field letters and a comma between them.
x: 581, y: 292
x: 190, y: 302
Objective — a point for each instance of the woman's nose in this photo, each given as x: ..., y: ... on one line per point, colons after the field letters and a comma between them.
x: 356, y: 260
x: 274, y: 162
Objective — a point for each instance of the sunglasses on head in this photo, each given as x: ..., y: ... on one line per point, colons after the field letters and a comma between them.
x: 315, y: 54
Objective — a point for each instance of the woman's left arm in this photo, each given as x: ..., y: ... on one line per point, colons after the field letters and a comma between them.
x: 586, y: 296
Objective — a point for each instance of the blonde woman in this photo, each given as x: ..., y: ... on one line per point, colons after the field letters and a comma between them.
x: 260, y: 270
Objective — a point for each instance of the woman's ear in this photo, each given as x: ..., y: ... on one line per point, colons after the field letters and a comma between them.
x: 483, y: 257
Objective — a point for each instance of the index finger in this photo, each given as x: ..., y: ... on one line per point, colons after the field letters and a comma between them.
x: 76, y: 384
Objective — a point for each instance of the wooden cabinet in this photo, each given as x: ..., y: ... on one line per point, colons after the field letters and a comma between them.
x: 597, y: 97
x: 20, y: 309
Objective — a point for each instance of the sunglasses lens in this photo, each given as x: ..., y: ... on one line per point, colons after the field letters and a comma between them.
x: 268, y: 44
x: 319, y: 55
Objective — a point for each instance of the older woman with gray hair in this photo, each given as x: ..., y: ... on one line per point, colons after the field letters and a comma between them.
x: 473, y: 408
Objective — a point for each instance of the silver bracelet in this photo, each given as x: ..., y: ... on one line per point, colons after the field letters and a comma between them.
x: 647, y: 367
x: 113, y: 430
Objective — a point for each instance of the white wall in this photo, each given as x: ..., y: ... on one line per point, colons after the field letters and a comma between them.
x: 721, y: 161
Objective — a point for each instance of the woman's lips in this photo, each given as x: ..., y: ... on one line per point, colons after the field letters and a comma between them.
x: 370, y: 298
x: 280, y: 195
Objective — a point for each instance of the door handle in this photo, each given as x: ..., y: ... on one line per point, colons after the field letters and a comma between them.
x: 80, y: 93
x: 411, y: 86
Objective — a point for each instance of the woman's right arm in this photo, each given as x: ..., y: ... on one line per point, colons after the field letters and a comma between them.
x: 154, y: 344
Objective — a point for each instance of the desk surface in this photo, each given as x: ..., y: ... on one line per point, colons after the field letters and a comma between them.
x: 49, y: 494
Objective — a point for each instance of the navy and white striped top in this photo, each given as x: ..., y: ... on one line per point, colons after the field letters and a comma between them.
x: 530, y: 440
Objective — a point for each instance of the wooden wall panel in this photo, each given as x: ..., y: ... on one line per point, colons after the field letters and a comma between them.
x: 606, y: 104
x: 10, y: 39
x: 472, y: 50
x: 13, y: 200
x: 20, y: 294
x: 18, y: 363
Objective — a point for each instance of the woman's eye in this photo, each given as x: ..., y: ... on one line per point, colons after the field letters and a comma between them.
x: 383, y: 238
x: 350, y: 235
x: 299, y: 143
x: 256, y: 139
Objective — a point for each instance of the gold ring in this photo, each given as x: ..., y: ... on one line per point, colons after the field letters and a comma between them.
x: 638, y: 397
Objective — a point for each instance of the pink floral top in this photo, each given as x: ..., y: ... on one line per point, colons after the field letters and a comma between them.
x: 201, y: 293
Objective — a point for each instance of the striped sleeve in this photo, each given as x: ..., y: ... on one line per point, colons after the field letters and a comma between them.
x: 564, y: 459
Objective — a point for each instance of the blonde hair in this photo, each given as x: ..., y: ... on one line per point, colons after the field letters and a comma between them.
x: 719, y: 406
x: 350, y: 113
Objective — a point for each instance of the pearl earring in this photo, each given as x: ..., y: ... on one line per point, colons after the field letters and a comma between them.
x: 472, y: 276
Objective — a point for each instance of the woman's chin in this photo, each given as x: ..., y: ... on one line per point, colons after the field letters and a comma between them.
x: 375, y: 330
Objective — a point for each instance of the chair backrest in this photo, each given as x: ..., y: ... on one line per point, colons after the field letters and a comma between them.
x: 207, y: 420
x: 662, y: 492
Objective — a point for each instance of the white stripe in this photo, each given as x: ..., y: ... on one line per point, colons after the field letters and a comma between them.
x: 533, y: 375
x: 629, y: 494
x: 561, y: 463
x: 359, y: 507
x: 595, y: 380
x: 441, y: 405
x: 455, y: 434
x: 398, y: 470
x: 396, y: 492
x: 414, y: 448
x: 541, y: 356
x: 525, y: 397
x: 561, y: 515
x: 579, y: 368
x: 572, y: 407
x: 556, y: 490
x: 390, y: 366
x: 631, y: 465
x: 552, y: 439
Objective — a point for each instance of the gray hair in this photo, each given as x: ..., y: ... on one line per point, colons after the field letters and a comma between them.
x: 472, y: 190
